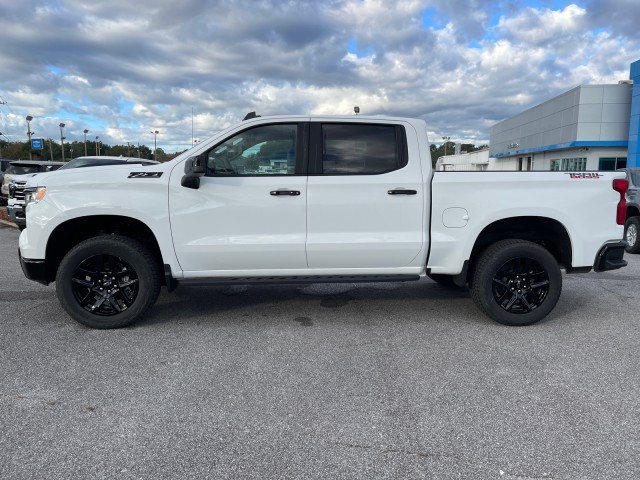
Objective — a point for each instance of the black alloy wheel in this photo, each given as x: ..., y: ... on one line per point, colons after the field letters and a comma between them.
x: 108, y: 281
x: 105, y: 285
x: 516, y: 282
x: 521, y: 285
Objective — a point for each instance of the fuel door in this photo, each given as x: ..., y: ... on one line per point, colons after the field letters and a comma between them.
x: 455, y: 217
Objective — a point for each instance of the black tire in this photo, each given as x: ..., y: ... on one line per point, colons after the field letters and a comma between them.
x: 108, y: 281
x: 516, y: 282
x: 631, y: 231
x: 444, y: 280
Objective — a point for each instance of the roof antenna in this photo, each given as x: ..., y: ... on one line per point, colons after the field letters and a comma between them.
x: 249, y: 116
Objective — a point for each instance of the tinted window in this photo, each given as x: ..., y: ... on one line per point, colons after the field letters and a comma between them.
x: 356, y: 149
x: 264, y: 150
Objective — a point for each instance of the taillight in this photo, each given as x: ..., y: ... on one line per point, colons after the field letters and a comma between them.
x: 621, y: 185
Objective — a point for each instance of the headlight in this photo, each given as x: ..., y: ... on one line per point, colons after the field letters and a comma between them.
x: 34, y: 194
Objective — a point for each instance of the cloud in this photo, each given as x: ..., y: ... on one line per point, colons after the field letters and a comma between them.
x: 122, y: 68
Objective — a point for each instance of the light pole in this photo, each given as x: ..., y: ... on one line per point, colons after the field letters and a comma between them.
x: 85, y: 131
x: 97, y: 151
x: 155, y: 144
x: 446, y: 139
x: 62, y: 139
x: 29, y: 118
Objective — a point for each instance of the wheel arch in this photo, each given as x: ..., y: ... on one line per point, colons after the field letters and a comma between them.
x: 547, y: 232
x: 632, y: 211
x: 68, y: 234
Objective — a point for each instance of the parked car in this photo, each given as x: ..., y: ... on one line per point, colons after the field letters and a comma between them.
x: 22, y: 167
x: 16, y: 203
x: 4, y: 164
x: 632, y: 225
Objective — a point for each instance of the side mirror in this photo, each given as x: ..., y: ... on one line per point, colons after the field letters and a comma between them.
x: 199, y: 165
x: 194, y: 168
x: 196, y: 165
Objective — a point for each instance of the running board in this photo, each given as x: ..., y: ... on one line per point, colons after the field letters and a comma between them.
x: 284, y: 280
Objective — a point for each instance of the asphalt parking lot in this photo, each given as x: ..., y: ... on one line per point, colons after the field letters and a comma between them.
x: 321, y: 382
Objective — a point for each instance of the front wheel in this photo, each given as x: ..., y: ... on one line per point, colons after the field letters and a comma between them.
x: 631, y: 227
x: 108, y: 281
x: 516, y: 282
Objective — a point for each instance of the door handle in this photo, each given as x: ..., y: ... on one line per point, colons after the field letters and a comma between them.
x: 278, y: 193
x: 401, y: 191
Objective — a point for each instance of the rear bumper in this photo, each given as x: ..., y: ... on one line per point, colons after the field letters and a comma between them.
x: 610, y: 257
x: 35, y: 270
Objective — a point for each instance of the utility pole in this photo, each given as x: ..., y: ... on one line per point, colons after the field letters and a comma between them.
x: 29, y: 118
x: 62, y: 140
x: 446, y: 139
x: 155, y: 144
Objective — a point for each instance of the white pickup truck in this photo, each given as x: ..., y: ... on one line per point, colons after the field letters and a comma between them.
x: 305, y: 199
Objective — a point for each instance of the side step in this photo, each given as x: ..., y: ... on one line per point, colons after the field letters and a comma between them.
x: 288, y: 280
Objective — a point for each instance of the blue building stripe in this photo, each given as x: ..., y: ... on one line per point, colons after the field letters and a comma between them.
x: 564, y: 146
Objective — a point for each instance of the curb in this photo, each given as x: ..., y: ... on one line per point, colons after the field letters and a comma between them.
x: 8, y: 224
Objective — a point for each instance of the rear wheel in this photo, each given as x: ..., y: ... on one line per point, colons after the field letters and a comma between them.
x: 108, y: 281
x: 516, y: 282
x: 631, y: 228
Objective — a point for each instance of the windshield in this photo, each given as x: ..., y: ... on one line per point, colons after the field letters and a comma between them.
x: 21, y: 170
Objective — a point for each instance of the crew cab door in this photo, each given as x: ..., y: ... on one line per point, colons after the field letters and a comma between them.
x: 366, y: 200
x: 249, y: 212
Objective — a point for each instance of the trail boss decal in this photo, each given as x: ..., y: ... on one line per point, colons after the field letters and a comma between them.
x: 145, y: 175
x: 581, y: 175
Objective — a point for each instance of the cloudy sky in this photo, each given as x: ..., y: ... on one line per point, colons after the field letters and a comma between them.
x: 123, y: 68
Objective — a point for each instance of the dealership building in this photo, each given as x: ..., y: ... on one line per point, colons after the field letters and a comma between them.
x: 591, y: 127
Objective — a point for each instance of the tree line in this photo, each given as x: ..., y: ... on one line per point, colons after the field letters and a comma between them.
x: 52, y: 150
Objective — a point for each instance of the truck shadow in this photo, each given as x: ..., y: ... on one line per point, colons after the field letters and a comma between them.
x: 227, y: 304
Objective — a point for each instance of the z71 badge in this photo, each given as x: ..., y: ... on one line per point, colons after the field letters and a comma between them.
x: 145, y: 175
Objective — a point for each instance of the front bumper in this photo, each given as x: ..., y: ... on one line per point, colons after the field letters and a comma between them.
x: 610, y: 257
x: 35, y: 270
x: 17, y: 214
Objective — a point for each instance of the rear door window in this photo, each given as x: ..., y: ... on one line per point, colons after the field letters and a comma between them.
x: 359, y: 149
